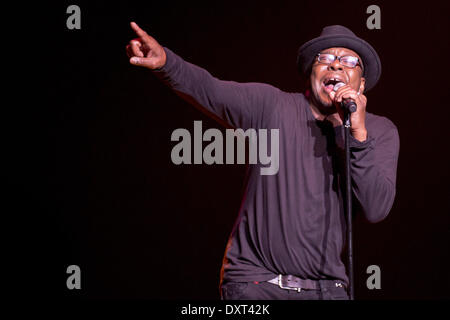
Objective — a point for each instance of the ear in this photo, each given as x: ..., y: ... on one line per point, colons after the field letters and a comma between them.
x: 362, y: 85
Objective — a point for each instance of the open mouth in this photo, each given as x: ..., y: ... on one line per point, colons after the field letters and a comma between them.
x: 329, y: 83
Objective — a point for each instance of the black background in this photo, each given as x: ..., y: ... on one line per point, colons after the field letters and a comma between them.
x: 89, y: 179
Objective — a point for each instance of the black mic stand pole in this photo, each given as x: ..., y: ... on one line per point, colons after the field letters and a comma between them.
x: 348, y: 200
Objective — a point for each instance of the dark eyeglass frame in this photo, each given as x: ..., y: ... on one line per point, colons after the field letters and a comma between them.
x: 358, y: 62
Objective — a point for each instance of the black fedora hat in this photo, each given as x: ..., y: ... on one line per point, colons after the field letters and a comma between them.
x: 340, y: 36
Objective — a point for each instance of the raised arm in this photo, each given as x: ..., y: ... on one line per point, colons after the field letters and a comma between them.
x: 240, y: 105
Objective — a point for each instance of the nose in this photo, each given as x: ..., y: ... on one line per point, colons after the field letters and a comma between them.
x: 335, y: 66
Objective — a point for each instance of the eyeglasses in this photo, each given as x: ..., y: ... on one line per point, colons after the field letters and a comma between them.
x: 346, y: 61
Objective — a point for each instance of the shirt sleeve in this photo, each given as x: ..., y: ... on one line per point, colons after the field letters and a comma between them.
x: 239, y: 105
x: 373, y: 165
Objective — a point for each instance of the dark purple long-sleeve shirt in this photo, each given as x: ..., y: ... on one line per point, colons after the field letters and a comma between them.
x: 292, y: 222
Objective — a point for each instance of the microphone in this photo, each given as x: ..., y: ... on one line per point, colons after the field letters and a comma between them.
x: 348, y: 105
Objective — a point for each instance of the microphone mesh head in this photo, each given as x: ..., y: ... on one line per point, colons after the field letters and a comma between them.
x: 338, y: 85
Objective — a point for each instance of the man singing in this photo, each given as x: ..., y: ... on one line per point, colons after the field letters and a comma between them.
x: 290, y: 232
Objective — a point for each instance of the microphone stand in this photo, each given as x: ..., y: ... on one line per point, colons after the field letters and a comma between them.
x: 348, y: 201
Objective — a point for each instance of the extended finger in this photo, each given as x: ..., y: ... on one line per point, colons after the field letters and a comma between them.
x: 150, y: 41
x: 141, y: 33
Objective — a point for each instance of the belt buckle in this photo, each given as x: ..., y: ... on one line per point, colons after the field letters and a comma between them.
x: 280, y: 284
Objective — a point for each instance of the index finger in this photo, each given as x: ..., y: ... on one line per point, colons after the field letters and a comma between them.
x: 137, y: 29
x: 141, y: 33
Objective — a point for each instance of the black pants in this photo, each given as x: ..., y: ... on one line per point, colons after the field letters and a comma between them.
x: 268, y: 291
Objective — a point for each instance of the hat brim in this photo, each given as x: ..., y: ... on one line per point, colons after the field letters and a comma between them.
x: 370, y: 59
